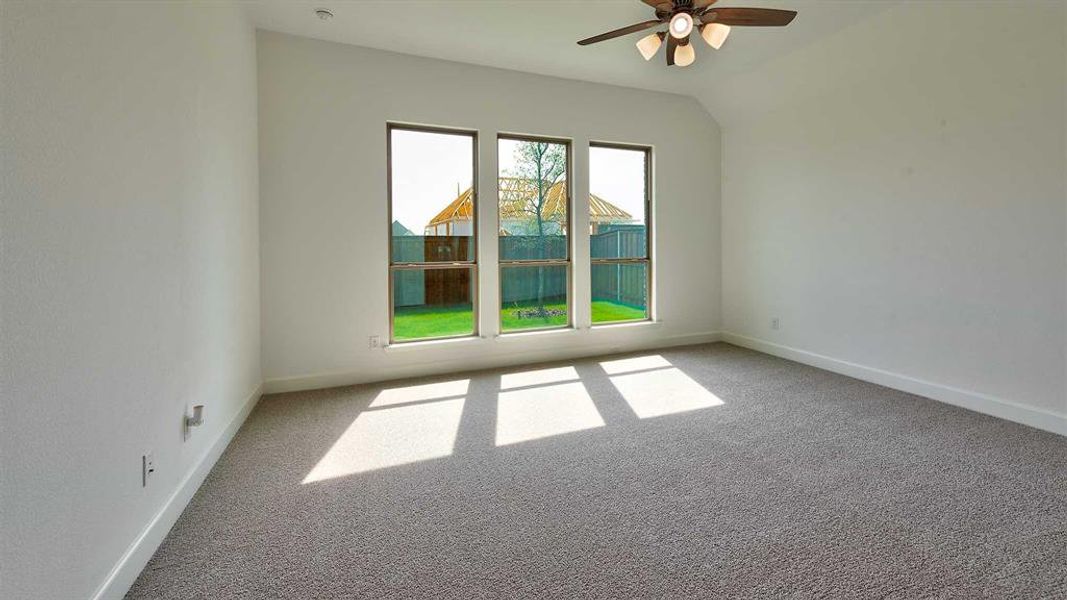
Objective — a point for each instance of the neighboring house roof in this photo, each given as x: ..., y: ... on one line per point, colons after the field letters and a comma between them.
x: 602, y: 210
x: 400, y: 230
x: 516, y: 194
x: 459, y: 209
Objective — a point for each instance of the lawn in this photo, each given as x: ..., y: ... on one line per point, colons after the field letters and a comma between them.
x: 511, y: 321
x: 418, y: 322
x: 415, y: 322
x: 606, y: 311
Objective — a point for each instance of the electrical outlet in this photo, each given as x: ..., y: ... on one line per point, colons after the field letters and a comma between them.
x: 148, y: 468
x: 775, y: 323
x: 374, y: 341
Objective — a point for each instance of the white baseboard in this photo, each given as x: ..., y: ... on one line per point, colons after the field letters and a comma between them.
x: 500, y: 358
x: 127, y: 569
x: 997, y: 407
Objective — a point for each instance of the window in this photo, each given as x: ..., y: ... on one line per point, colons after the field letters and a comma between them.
x: 619, y: 226
x: 534, y: 208
x: 432, y: 233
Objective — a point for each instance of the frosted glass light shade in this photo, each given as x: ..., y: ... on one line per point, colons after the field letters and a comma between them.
x: 684, y: 55
x: 648, y: 45
x: 681, y: 25
x: 715, y: 34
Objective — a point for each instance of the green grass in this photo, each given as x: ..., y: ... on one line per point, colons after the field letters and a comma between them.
x: 422, y: 322
x: 510, y: 321
x: 418, y: 322
x: 606, y: 311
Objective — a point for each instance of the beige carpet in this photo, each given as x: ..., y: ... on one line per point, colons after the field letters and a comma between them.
x: 706, y: 471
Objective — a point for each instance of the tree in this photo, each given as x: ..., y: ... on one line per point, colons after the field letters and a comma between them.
x: 543, y: 165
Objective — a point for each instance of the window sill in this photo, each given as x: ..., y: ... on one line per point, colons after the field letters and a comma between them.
x: 514, y: 336
x: 626, y: 325
x: 424, y: 344
x: 519, y: 335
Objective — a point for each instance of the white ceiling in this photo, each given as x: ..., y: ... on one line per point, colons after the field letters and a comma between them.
x: 539, y: 36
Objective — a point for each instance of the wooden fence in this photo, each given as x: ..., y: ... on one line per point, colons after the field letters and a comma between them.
x: 519, y: 284
x: 625, y: 283
x: 625, y: 241
x: 436, y: 287
x: 533, y: 247
x: 432, y: 248
x: 622, y: 283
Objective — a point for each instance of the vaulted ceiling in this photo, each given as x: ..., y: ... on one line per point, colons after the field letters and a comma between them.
x: 538, y: 36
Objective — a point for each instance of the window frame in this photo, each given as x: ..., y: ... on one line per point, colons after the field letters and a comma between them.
x: 553, y: 262
x: 471, y: 265
x: 647, y: 259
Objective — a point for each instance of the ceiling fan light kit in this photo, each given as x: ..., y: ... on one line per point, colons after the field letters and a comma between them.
x: 681, y: 16
x: 681, y: 25
x: 715, y: 34
x: 684, y: 54
x: 649, y: 45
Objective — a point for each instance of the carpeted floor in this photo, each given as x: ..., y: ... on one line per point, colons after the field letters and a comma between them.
x: 707, y: 471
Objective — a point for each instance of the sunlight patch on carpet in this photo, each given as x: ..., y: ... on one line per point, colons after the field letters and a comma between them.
x: 537, y: 377
x: 540, y: 412
x: 663, y: 392
x: 418, y: 393
x: 638, y: 363
x: 395, y: 436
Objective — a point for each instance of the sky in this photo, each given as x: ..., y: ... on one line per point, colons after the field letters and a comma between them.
x: 427, y: 169
x: 618, y: 176
x: 429, y: 166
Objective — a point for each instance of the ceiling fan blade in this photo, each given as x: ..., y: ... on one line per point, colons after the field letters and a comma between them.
x: 672, y: 44
x: 749, y: 17
x: 614, y: 34
x: 661, y: 5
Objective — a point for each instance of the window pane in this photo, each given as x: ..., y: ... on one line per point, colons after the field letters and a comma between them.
x: 431, y: 195
x: 620, y: 292
x: 533, y: 297
x: 617, y: 203
x: 430, y: 303
x: 532, y: 200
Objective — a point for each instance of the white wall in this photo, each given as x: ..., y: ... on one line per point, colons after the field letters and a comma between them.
x: 895, y: 193
x: 324, y: 108
x: 129, y: 274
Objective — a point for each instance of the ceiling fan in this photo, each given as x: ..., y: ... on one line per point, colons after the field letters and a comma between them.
x: 682, y: 16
